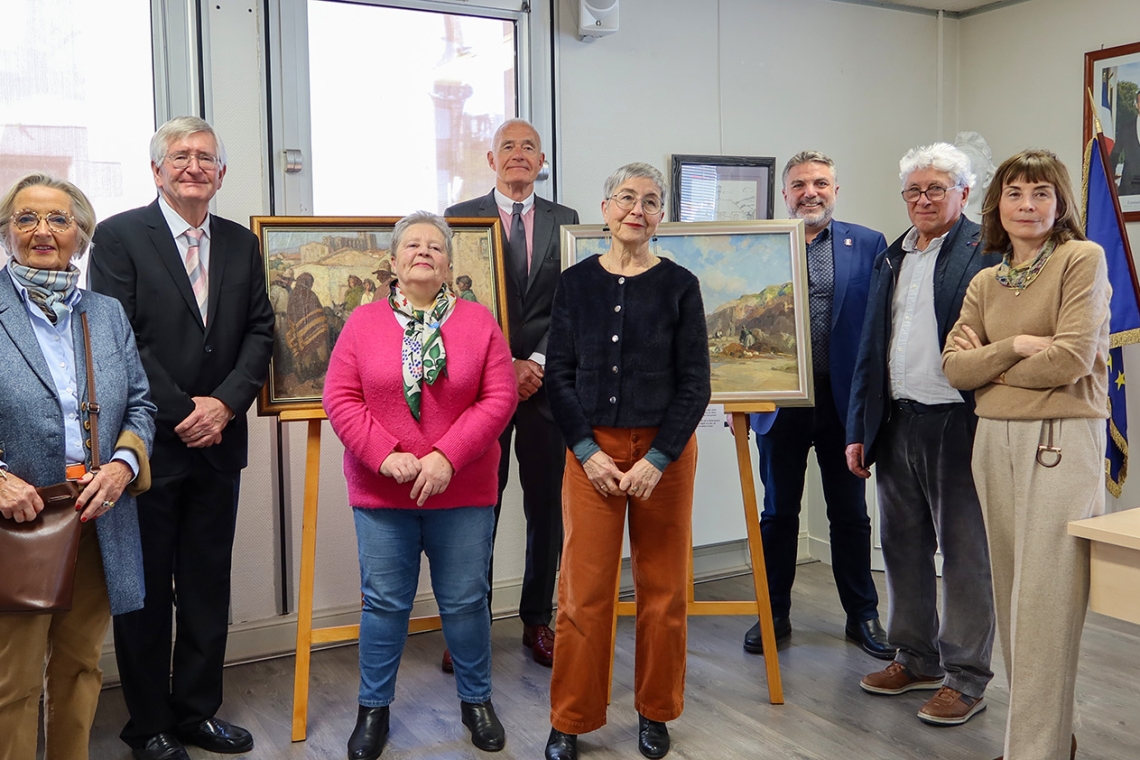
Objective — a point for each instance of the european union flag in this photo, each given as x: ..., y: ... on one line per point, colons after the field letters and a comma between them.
x: 1104, y: 225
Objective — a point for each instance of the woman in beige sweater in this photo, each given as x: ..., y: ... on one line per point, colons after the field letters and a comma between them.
x: 1032, y: 340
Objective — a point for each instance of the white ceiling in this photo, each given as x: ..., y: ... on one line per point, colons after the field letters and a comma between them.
x: 966, y: 7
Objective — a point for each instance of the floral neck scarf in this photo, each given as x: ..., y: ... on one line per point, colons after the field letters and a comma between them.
x: 1021, y: 277
x: 422, y: 354
x: 49, y: 289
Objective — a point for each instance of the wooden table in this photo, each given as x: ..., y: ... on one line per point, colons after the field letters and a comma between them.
x: 1115, y: 563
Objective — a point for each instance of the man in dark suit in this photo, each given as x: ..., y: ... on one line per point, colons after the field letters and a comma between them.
x: 532, y: 247
x: 907, y: 417
x: 193, y: 287
x: 1126, y: 150
x: 839, y: 258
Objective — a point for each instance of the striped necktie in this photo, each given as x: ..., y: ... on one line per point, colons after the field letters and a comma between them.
x: 196, y: 271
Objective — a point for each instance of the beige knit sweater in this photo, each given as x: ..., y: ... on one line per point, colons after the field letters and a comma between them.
x: 1069, y: 302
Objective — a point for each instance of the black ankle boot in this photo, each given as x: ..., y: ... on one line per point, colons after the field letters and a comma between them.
x: 652, y: 737
x: 370, y: 735
x: 561, y: 746
x: 486, y: 731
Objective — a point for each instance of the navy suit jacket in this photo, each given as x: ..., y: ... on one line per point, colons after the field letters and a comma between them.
x: 31, y: 423
x: 1128, y: 144
x: 135, y: 259
x: 958, y: 261
x: 853, y: 249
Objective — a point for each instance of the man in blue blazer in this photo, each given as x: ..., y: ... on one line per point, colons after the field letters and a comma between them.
x: 906, y: 417
x: 840, y: 256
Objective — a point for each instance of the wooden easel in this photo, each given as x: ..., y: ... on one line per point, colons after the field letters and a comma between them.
x: 762, y: 606
x: 307, y: 636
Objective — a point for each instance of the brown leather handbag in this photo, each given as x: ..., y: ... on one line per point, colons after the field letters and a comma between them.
x: 37, y: 557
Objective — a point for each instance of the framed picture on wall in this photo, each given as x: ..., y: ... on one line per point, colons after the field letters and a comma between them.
x: 318, y: 270
x: 1112, y: 75
x: 753, y: 277
x: 722, y: 188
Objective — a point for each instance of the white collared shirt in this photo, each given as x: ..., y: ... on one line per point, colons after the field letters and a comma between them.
x: 178, y: 227
x: 915, y: 358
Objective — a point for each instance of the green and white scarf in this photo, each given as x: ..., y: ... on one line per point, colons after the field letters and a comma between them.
x: 49, y: 289
x: 422, y: 355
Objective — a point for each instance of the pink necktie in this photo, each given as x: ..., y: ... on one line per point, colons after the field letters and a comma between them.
x: 196, y: 271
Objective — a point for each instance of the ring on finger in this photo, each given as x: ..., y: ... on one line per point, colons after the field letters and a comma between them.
x: 108, y: 504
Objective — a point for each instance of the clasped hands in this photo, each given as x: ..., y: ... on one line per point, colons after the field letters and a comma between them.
x: 608, y: 480
x: 98, y: 493
x: 431, y: 473
x: 203, y: 426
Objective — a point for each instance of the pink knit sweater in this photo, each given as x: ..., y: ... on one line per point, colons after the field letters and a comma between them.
x: 461, y: 415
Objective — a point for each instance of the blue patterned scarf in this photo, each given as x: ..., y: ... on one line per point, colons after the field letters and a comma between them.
x: 49, y: 289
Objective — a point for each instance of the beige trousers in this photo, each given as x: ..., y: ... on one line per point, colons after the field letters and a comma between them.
x: 56, y: 655
x: 1040, y: 572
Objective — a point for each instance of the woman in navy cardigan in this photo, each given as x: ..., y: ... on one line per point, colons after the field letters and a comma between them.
x: 627, y: 375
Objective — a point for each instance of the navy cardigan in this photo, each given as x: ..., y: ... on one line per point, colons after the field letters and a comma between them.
x: 628, y: 351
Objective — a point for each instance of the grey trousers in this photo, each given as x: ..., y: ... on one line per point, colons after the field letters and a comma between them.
x: 1041, y: 573
x: 927, y: 501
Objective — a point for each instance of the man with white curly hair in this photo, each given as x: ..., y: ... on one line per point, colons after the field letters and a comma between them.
x: 905, y: 415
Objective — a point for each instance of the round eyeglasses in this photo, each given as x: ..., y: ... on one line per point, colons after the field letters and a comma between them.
x: 650, y: 204
x: 934, y: 193
x: 206, y: 162
x: 57, y: 221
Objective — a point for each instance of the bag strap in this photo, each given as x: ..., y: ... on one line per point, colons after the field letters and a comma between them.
x: 91, y: 406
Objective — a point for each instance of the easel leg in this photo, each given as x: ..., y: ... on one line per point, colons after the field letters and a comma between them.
x: 756, y: 548
x: 305, y: 588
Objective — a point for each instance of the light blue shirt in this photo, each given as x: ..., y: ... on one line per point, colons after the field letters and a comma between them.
x: 59, y: 353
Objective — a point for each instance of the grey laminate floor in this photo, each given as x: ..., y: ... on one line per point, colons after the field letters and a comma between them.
x: 826, y: 716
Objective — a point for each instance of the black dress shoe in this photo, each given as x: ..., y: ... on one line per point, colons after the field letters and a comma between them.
x: 871, y: 636
x: 561, y: 746
x: 782, y: 625
x: 370, y: 735
x: 486, y: 731
x: 652, y: 737
x: 161, y: 747
x: 217, y: 735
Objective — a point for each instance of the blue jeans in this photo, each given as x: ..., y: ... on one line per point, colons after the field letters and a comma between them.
x: 458, y: 546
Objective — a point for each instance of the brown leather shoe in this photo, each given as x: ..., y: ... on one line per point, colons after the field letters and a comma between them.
x: 950, y: 707
x: 896, y: 679
x: 446, y: 666
x: 1072, y: 750
x: 539, y: 639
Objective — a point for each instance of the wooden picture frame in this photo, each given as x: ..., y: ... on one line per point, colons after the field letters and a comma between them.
x: 722, y: 188
x: 1113, y: 77
x: 753, y: 277
x: 318, y: 270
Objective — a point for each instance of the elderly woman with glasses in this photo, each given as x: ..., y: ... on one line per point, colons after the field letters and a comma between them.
x: 627, y: 373
x: 45, y: 223
x: 419, y: 387
x: 1032, y: 341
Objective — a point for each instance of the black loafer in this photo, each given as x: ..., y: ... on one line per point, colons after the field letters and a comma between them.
x: 486, y: 731
x: 781, y: 624
x: 161, y: 747
x: 217, y: 735
x: 370, y: 735
x: 561, y: 746
x: 871, y: 636
x: 652, y: 737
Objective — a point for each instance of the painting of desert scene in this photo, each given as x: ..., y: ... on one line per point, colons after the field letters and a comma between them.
x: 317, y: 276
x: 748, y: 287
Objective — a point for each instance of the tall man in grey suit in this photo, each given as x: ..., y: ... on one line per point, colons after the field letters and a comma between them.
x: 907, y: 417
x: 533, y: 263
x: 193, y: 287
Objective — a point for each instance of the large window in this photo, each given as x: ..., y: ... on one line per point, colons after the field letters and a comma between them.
x: 403, y: 104
x: 77, y: 96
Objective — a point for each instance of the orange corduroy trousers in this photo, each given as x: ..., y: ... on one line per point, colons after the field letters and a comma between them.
x: 660, y: 535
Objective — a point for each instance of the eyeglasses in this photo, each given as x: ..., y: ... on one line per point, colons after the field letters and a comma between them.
x: 934, y: 193
x: 57, y: 221
x: 650, y: 204
x: 206, y: 162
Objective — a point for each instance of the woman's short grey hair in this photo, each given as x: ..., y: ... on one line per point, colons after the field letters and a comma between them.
x: 808, y: 157
x: 421, y: 217
x: 942, y: 157
x: 81, y: 208
x: 634, y: 171
x: 179, y: 128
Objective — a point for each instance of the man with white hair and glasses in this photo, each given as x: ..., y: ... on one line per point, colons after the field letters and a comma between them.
x: 907, y: 417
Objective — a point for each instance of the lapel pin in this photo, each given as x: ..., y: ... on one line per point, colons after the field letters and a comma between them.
x: 848, y: 242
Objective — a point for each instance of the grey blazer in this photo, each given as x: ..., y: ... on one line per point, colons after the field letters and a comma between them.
x: 31, y: 420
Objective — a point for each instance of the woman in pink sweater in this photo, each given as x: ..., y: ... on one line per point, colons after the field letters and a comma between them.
x: 419, y: 387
